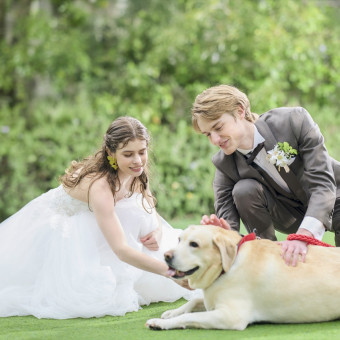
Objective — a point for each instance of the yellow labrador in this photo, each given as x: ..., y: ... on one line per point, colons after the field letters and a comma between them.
x: 250, y: 284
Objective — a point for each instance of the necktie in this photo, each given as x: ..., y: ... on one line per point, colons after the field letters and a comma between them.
x: 254, y: 153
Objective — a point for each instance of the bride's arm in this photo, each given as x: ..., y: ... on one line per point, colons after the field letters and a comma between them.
x: 102, y: 204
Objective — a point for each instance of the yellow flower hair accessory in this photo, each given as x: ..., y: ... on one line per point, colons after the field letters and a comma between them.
x: 113, y: 162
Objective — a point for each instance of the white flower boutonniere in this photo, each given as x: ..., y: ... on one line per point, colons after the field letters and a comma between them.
x: 282, y: 155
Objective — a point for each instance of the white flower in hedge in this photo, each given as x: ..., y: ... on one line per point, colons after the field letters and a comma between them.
x: 282, y: 155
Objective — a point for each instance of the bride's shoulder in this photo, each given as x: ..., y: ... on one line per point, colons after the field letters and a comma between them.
x: 100, y: 186
x: 100, y: 195
x: 89, y: 185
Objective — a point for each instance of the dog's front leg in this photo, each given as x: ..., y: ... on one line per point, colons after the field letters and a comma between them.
x: 195, y: 305
x: 215, y: 319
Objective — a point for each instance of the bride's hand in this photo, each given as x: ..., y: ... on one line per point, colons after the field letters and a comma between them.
x: 152, y: 240
x: 214, y: 220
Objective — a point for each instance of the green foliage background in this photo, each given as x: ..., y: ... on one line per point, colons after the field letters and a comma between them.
x: 68, y: 68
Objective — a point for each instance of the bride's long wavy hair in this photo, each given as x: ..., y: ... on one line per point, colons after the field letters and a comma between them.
x: 120, y: 133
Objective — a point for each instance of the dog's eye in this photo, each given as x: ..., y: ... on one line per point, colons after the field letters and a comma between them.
x: 193, y: 244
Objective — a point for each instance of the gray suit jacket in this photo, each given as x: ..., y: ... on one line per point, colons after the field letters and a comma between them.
x: 313, y: 176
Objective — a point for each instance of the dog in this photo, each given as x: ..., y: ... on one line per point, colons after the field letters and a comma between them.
x: 249, y: 284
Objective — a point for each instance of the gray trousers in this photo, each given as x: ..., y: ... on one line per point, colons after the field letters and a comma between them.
x: 259, y: 210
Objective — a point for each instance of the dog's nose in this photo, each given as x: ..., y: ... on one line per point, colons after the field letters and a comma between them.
x: 168, y: 256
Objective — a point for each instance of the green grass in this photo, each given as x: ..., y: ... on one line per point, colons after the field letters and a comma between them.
x: 131, y: 326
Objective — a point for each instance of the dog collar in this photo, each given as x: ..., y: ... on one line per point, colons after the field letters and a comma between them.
x: 249, y: 237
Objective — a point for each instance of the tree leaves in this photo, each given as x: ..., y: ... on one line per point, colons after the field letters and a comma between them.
x: 68, y: 68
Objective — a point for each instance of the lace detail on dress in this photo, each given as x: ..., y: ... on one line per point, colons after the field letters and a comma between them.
x: 62, y: 203
x: 60, y: 207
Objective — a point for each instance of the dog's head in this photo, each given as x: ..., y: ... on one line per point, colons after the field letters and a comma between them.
x: 201, y: 254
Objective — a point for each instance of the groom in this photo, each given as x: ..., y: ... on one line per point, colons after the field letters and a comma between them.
x: 272, y: 171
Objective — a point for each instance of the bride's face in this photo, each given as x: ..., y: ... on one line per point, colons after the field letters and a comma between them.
x: 132, y: 158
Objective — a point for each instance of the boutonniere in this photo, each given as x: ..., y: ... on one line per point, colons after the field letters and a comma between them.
x: 282, y: 155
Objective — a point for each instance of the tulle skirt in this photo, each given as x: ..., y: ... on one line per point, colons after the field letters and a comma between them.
x: 56, y: 263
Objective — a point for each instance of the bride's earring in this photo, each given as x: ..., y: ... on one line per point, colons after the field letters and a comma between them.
x: 113, y: 162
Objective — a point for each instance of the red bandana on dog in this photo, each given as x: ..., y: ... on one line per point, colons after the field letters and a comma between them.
x: 249, y: 237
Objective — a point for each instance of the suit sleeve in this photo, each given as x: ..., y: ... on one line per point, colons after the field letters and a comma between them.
x: 318, y: 171
x: 224, y: 203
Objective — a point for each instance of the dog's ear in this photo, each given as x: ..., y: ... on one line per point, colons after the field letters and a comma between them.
x: 227, y: 250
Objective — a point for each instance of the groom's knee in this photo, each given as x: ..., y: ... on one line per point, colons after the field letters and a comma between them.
x: 246, y: 192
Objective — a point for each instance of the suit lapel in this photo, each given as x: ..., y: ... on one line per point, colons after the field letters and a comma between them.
x: 289, y: 177
x: 245, y: 170
x: 294, y: 185
x: 255, y: 172
x: 266, y: 133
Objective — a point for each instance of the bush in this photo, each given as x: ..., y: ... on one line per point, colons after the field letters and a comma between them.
x: 71, y: 67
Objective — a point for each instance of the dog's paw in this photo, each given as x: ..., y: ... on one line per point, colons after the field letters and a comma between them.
x: 155, y: 324
x: 158, y: 324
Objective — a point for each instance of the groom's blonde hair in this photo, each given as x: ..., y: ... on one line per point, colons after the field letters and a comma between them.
x: 212, y: 103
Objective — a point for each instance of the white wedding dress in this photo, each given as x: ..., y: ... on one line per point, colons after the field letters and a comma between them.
x: 55, y: 262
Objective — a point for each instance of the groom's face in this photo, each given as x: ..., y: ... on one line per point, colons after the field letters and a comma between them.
x: 226, y: 132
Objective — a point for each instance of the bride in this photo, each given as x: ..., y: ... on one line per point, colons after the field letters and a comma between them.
x: 92, y: 246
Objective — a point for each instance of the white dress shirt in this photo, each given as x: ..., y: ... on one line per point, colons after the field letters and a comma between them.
x: 309, y: 223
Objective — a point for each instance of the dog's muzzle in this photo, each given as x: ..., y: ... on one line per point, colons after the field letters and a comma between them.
x: 175, y: 273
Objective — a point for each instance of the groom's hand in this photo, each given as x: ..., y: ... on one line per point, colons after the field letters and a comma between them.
x: 293, y: 251
x: 214, y: 220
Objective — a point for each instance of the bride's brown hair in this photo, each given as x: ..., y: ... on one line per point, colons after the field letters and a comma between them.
x: 120, y: 133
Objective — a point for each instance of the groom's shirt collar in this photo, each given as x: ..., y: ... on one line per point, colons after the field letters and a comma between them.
x: 257, y: 140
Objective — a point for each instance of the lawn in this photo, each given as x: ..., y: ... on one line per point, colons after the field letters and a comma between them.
x: 131, y: 326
